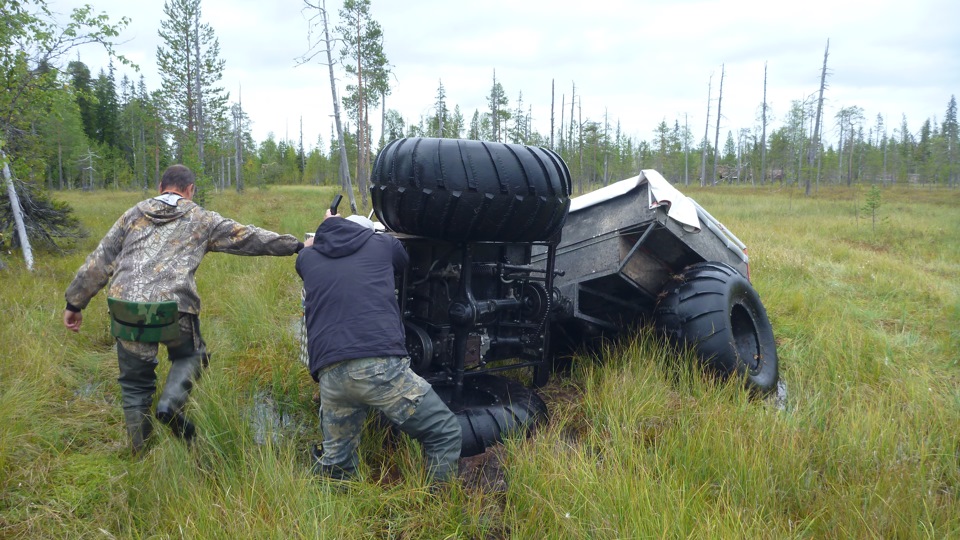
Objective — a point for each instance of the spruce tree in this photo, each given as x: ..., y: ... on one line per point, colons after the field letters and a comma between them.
x: 83, y: 90
x: 497, y: 101
x: 951, y: 135
x: 106, y: 110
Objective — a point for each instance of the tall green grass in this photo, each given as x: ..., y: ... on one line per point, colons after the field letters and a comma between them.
x: 639, y: 444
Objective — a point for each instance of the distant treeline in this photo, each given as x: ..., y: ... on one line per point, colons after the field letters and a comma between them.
x: 94, y: 132
x: 96, y: 136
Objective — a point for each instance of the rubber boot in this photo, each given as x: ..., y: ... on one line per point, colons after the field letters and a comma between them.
x: 438, y: 431
x: 179, y: 425
x: 176, y: 391
x: 139, y: 428
x: 331, y: 472
x: 315, y: 454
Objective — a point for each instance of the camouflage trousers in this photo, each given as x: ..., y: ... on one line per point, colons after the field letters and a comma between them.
x: 138, y: 365
x: 349, y: 389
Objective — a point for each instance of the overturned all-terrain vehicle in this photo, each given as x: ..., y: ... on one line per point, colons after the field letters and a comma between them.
x: 507, y: 272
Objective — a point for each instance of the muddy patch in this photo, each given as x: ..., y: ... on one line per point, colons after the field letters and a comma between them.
x: 484, y: 472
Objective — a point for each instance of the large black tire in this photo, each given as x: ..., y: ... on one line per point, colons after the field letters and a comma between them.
x: 492, y: 408
x: 467, y: 191
x: 714, y: 309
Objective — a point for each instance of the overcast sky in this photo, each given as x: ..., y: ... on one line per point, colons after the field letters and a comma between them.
x: 640, y: 62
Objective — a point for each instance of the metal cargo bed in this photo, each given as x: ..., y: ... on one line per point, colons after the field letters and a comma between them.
x: 621, y: 245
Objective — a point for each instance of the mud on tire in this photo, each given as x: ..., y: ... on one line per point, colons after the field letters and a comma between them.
x: 715, y: 310
x: 468, y: 191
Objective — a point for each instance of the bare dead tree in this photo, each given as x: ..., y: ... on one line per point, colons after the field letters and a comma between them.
x: 841, y: 120
x: 17, y: 213
x: 763, y: 136
x: 196, y: 45
x: 526, y: 125
x: 606, y: 146
x: 383, y: 108
x: 303, y: 153
x: 553, y: 100
x: 706, y: 133
x: 89, y: 168
x: 573, y: 97
x: 686, y: 151
x: 716, y: 137
x: 60, y: 155
x: 741, y: 143
x: 311, y: 53
x: 815, y: 143
x: 820, y: 158
x: 563, y: 110
x: 238, y: 138
x: 441, y: 109
x: 580, y: 143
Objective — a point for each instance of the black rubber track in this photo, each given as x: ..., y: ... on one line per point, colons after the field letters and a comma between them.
x: 466, y: 191
x: 716, y: 310
x: 491, y: 409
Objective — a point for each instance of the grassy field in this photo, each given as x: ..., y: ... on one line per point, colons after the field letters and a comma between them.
x: 867, y: 445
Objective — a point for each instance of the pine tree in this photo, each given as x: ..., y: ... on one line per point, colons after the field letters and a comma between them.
x: 190, y: 69
x: 363, y: 58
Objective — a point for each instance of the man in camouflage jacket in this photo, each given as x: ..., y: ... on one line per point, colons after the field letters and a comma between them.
x: 151, y: 255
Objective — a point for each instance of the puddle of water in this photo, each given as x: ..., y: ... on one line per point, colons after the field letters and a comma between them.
x: 779, y: 399
x: 85, y: 391
x: 270, y: 421
x: 89, y: 390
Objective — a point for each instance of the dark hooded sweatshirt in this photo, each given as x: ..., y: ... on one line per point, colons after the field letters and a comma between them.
x: 350, y: 301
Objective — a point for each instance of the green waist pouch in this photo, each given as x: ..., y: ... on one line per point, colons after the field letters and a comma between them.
x: 149, y: 322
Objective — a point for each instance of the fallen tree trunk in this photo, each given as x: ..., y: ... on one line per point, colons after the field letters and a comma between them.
x: 17, y: 213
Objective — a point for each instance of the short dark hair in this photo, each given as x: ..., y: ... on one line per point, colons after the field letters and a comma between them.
x: 178, y: 177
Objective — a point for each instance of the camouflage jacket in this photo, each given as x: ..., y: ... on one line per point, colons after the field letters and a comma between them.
x: 152, y: 252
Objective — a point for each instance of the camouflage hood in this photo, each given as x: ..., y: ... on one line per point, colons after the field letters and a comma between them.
x: 165, y: 208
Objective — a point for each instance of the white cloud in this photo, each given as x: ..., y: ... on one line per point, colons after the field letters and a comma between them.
x: 639, y: 62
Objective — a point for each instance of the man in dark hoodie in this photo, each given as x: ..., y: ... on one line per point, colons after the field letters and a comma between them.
x: 355, y: 340
x: 149, y: 257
